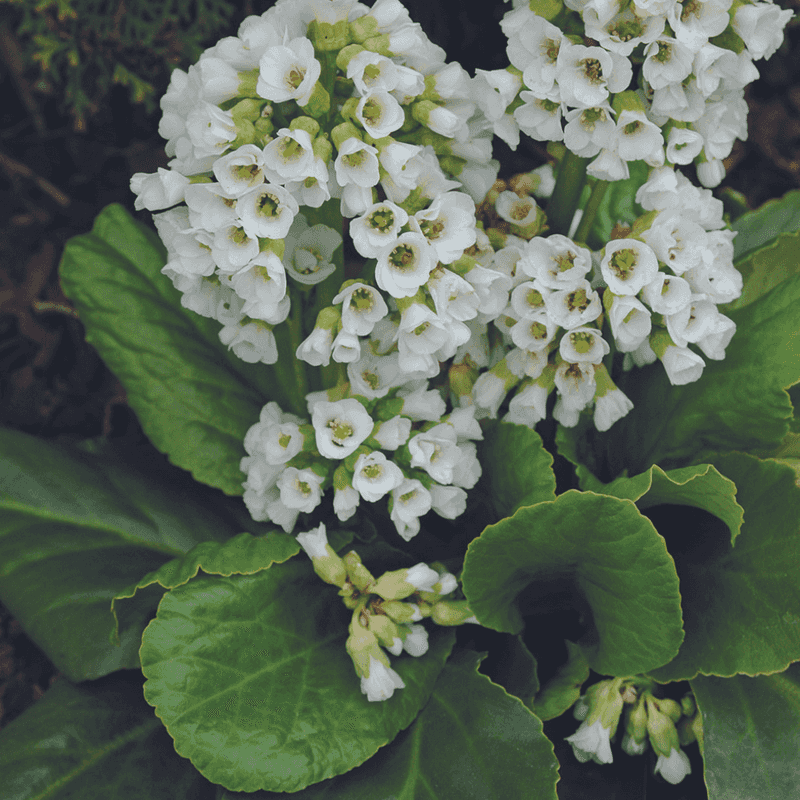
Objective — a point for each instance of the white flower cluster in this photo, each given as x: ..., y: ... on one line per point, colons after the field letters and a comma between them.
x: 258, y: 129
x: 652, y: 293
x: 404, y: 446
x: 696, y: 57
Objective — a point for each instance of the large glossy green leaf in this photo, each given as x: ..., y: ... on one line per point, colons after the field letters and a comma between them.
x: 613, y: 560
x: 700, y: 486
x: 244, y: 554
x: 739, y: 403
x: 517, y: 470
x: 760, y: 228
x: 251, y: 677
x: 741, y: 603
x: 94, y: 742
x: 564, y: 688
x: 76, y: 529
x: 195, y: 400
x: 471, y: 741
x: 751, y: 728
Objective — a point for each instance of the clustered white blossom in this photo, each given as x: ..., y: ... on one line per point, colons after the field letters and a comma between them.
x: 658, y: 80
x: 664, y: 723
x: 404, y: 447
x: 254, y: 135
x: 385, y: 610
x: 652, y: 293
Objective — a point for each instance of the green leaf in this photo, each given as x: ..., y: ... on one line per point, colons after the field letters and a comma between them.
x: 739, y: 403
x: 517, y: 470
x: 94, y: 742
x: 700, y: 486
x: 76, y: 529
x: 751, y: 728
x: 760, y: 228
x: 471, y: 741
x: 251, y: 677
x: 562, y: 691
x: 741, y: 603
x: 608, y: 555
x: 245, y: 554
x: 195, y: 401
x: 618, y: 205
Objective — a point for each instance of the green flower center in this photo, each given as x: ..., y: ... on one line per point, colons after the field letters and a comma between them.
x: 362, y: 299
x: 267, y: 205
x: 341, y: 430
x: 403, y: 257
x: 432, y: 229
x: 577, y: 300
x: 381, y: 220
x: 593, y: 70
x: 294, y: 77
x: 372, y: 471
x: 623, y: 263
x: 582, y: 342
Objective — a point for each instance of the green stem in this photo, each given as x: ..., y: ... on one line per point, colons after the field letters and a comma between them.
x: 295, y: 323
x: 566, y: 196
x: 590, y: 212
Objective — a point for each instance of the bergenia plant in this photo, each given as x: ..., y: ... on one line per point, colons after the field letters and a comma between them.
x: 489, y: 451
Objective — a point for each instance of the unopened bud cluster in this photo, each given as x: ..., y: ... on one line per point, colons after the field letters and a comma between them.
x: 403, y: 445
x: 665, y: 724
x: 385, y: 610
x: 651, y: 292
x: 658, y: 80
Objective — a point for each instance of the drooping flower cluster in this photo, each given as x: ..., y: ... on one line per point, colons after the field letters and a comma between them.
x: 385, y: 610
x: 665, y: 723
x: 312, y: 100
x: 404, y: 446
x: 651, y: 292
x: 684, y: 103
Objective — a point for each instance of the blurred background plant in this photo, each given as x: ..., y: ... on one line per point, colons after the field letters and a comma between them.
x: 82, y: 48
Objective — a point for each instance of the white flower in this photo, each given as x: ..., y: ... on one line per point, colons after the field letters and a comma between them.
x: 309, y: 251
x: 380, y: 682
x: 289, y: 72
x: 373, y: 375
x: 346, y: 347
x: 571, y: 308
x: 630, y: 322
x: 281, y: 442
x: 516, y: 210
x: 628, y: 265
x: 240, y: 171
x: 592, y: 742
x: 161, y: 190
x: 667, y: 294
x: 357, y: 163
x: 300, y: 489
x: 315, y: 349
x: 609, y: 408
x: 393, y: 433
x: 415, y: 640
x: 584, y: 345
x: 252, y: 342
x: 556, y: 262
x: 289, y: 157
x: 448, y: 225
x: 436, y: 451
x: 667, y: 62
x: 378, y: 226
x: 693, y: 322
x: 528, y: 406
x: 380, y: 114
x: 374, y: 476
x: 345, y: 502
x: 674, y: 767
x: 210, y: 207
x: 682, y: 365
x: 267, y: 211
x: 761, y: 26
x: 683, y: 145
x: 540, y: 117
x: 404, y: 265
x: 314, y: 542
x: 638, y: 138
x: 589, y: 130
x: 362, y: 307
x: 340, y: 427
x: 410, y: 501
x: 448, y: 502
x: 576, y: 384
x: 714, y: 342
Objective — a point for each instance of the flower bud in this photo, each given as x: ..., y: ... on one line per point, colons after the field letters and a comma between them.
x: 401, y: 583
x: 452, y: 612
x: 401, y: 612
x: 359, y: 575
x: 326, y: 563
x: 661, y: 729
